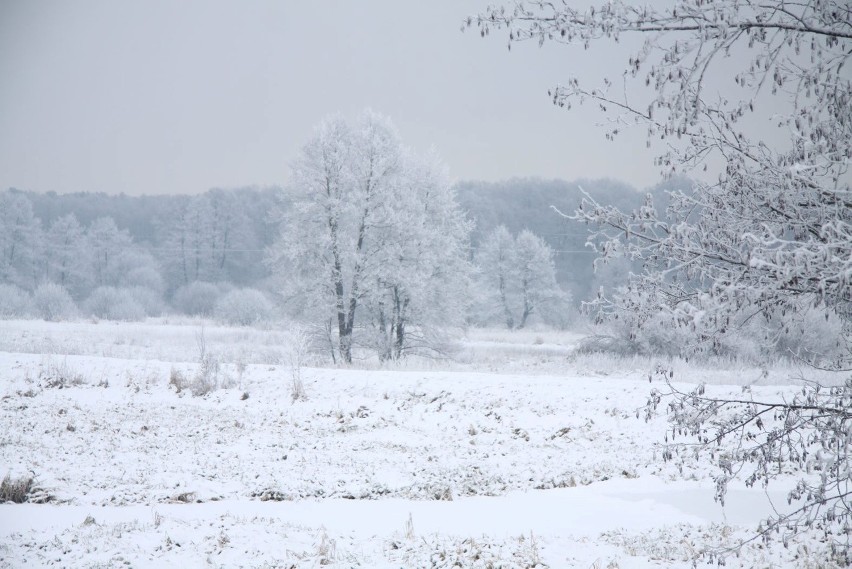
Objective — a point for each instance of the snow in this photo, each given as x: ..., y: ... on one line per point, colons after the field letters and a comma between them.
x: 377, y: 468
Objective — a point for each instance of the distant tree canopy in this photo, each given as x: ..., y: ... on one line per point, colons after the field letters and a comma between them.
x: 522, y: 204
x: 221, y: 235
x: 517, y: 278
x: 217, y: 235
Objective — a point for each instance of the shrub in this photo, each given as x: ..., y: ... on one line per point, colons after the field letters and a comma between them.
x: 15, y: 302
x: 208, y: 379
x: 177, y: 380
x: 150, y: 300
x: 605, y: 344
x: 815, y: 336
x: 144, y: 277
x: 52, y: 302
x: 300, y: 346
x: 56, y: 375
x: 17, y: 490
x: 243, y: 307
x: 638, y: 320
x: 196, y: 299
x: 112, y: 303
x: 23, y: 489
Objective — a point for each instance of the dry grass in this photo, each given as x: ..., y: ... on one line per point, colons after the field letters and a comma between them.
x: 16, y: 490
x: 22, y: 489
x: 210, y: 376
x: 59, y: 375
x: 164, y: 339
x: 177, y: 380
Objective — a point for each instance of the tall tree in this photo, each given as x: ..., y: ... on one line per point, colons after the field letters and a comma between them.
x: 173, y: 231
x: 527, y: 203
x: 519, y: 273
x: 497, y: 264
x: 356, y: 226
x: 67, y: 256
x: 770, y: 236
x: 338, y: 188
x: 536, y: 273
x: 20, y: 241
x: 108, y: 244
x: 422, y: 281
x: 190, y: 248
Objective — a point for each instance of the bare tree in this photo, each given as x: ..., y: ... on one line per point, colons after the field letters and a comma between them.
x: 768, y: 237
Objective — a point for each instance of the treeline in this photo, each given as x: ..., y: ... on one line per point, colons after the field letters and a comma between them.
x: 219, y: 240
x: 528, y: 204
x: 218, y: 235
x: 128, y: 257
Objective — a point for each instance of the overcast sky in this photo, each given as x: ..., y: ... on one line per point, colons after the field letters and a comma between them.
x: 178, y: 97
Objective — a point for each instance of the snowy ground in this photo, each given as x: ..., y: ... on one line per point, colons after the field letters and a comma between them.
x: 539, y: 461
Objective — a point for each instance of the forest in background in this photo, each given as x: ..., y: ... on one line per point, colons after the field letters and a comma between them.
x: 221, y: 235
x: 119, y: 257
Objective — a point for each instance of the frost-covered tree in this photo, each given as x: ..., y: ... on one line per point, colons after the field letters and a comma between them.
x: 198, y: 298
x: 52, y: 302
x: 112, y: 303
x: 15, y: 302
x: 190, y: 242
x: 243, y: 307
x: 536, y: 273
x: 107, y: 244
x: 341, y: 184
x: 518, y: 274
x: 496, y: 260
x: 358, y: 230
x: 197, y: 254
x: 228, y: 233
x: 775, y: 226
x: 423, y: 272
x: 20, y: 241
x: 206, y: 238
x: 67, y: 255
x: 769, y: 236
x: 174, y: 238
x: 117, y: 262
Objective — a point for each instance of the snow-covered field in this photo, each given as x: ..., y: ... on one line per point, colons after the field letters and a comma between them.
x: 516, y: 454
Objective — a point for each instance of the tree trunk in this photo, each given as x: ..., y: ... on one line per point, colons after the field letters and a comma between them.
x: 510, y: 320
x: 400, y: 319
x: 385, y: 333
x: 328, y: 329
x: 345, y: 343
x: 349, y: 317
x: 344, y: 330
x: 399, y: 340
x: 528, y: 307
x: 183, y: 257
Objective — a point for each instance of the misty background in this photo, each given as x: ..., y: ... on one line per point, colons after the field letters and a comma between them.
x: 234, y: 228
x: 166, y: 132
x: 177, y: 98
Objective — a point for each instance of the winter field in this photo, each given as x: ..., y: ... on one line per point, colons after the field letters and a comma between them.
x: 515, y: 453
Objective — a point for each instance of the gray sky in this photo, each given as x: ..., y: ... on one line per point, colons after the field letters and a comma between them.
x: 178, y: 97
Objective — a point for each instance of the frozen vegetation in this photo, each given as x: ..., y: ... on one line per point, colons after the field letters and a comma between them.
x: 376, y: 367
x: 519, y: 453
